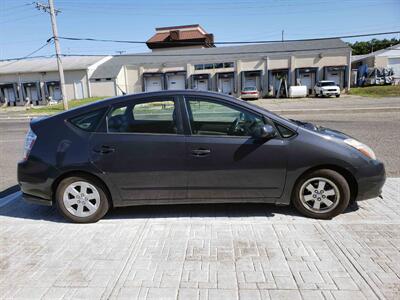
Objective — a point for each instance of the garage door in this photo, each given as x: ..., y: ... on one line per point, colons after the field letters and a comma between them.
x: 227, y: 85
x: 32, y: 93
x: 10, y: 95
x: 55, y: 92
x: 78, y: 86
x: 308, y: 79
x: 250, y: 82
x: 201, y: 84
x: 153, y: 83
x: 394, y: 63
x: 176, y: 82
x: 333, y: 76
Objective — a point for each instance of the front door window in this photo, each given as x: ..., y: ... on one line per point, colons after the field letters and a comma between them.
x: 210, y: 118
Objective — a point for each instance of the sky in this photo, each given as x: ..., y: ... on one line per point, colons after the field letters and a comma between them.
x: 24, y: 29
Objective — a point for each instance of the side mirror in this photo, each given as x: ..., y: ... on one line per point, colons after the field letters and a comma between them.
x: 265, y: 132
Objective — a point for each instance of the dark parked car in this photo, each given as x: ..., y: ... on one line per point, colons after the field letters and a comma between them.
x: 191, y: 147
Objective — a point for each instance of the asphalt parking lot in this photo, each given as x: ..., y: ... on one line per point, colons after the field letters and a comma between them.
x: 207, y: 251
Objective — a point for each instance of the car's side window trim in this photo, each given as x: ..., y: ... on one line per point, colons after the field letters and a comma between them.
x: 212, y: 100
x: 130, y: 103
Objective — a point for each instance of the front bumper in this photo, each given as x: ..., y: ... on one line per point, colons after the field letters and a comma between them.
x: 330, y: 93
x: 371, y: 182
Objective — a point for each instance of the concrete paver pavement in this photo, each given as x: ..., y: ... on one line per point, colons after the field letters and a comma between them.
x: 246, y: 251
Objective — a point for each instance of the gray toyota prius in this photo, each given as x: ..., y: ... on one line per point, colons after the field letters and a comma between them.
x: 173, y: 147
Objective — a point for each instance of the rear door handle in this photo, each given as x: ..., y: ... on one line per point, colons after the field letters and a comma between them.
x: 201, y: 152
x: 104, y: 149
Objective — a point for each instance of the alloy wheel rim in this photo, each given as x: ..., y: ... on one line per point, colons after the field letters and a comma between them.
x: 81, y: 199
x: 319, y: 195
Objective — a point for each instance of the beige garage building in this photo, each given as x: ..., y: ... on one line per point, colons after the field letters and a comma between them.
x: 227, y: 69
x: 37, y: 80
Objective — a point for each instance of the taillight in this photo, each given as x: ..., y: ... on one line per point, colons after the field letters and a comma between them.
x: 29, y: 142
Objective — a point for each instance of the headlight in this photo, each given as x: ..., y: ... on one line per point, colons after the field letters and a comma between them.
x: 364, y: 149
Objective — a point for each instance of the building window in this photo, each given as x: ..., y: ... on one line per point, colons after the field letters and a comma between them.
x: 199, y: 67
x: 108, y: 79
x: 97, y: 79
x: 214, y: 66
x: 228, y: 65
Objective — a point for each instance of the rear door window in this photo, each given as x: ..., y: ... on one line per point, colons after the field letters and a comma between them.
x: 156, y: 116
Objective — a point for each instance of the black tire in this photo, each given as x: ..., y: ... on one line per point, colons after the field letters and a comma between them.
x: 103, y: 206
x: 338, y: 95
x: 330, y: 175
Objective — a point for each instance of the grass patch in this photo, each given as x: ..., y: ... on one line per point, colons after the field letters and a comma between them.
x: 57, y: 108
x: 377, y: 91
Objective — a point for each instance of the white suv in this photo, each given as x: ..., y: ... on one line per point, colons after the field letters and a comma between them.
x: 327, y: 88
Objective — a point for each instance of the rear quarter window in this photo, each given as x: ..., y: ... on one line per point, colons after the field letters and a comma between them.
x: 88, y: 121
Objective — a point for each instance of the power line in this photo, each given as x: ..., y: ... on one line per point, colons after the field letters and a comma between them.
x: 19, y: 18
x: 4, y: 9
x: 231, y: 42
x: 14, y: 60
x: 152, y: 54
x: 205, y: 11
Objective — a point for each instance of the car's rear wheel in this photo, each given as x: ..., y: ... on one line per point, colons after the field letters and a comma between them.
x: 82, y: 199
x: 321, y: 194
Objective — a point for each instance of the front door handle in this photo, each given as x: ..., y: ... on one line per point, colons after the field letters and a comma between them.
x: 104, y: 149
x: 201, y: 152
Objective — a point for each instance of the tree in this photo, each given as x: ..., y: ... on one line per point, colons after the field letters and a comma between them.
x: 372, y: 45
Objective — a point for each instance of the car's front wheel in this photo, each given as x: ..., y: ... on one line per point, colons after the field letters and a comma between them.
x: 82, y: 199
x: 321, y: 194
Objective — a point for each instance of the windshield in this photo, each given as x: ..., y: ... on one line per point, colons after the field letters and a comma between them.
x: 328, y: 83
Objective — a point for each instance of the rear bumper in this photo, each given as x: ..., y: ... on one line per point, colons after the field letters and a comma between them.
x: 36, y: 200
x: 249, y: 96
x: 370, y: 185
x: 35, y: 179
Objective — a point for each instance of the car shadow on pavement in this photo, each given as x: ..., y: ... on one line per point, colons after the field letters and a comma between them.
x: 9, y: 191
x: 19, y: 209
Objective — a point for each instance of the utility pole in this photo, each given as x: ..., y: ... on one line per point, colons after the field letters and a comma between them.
x: 53, y: 12
x: 283, y: 31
